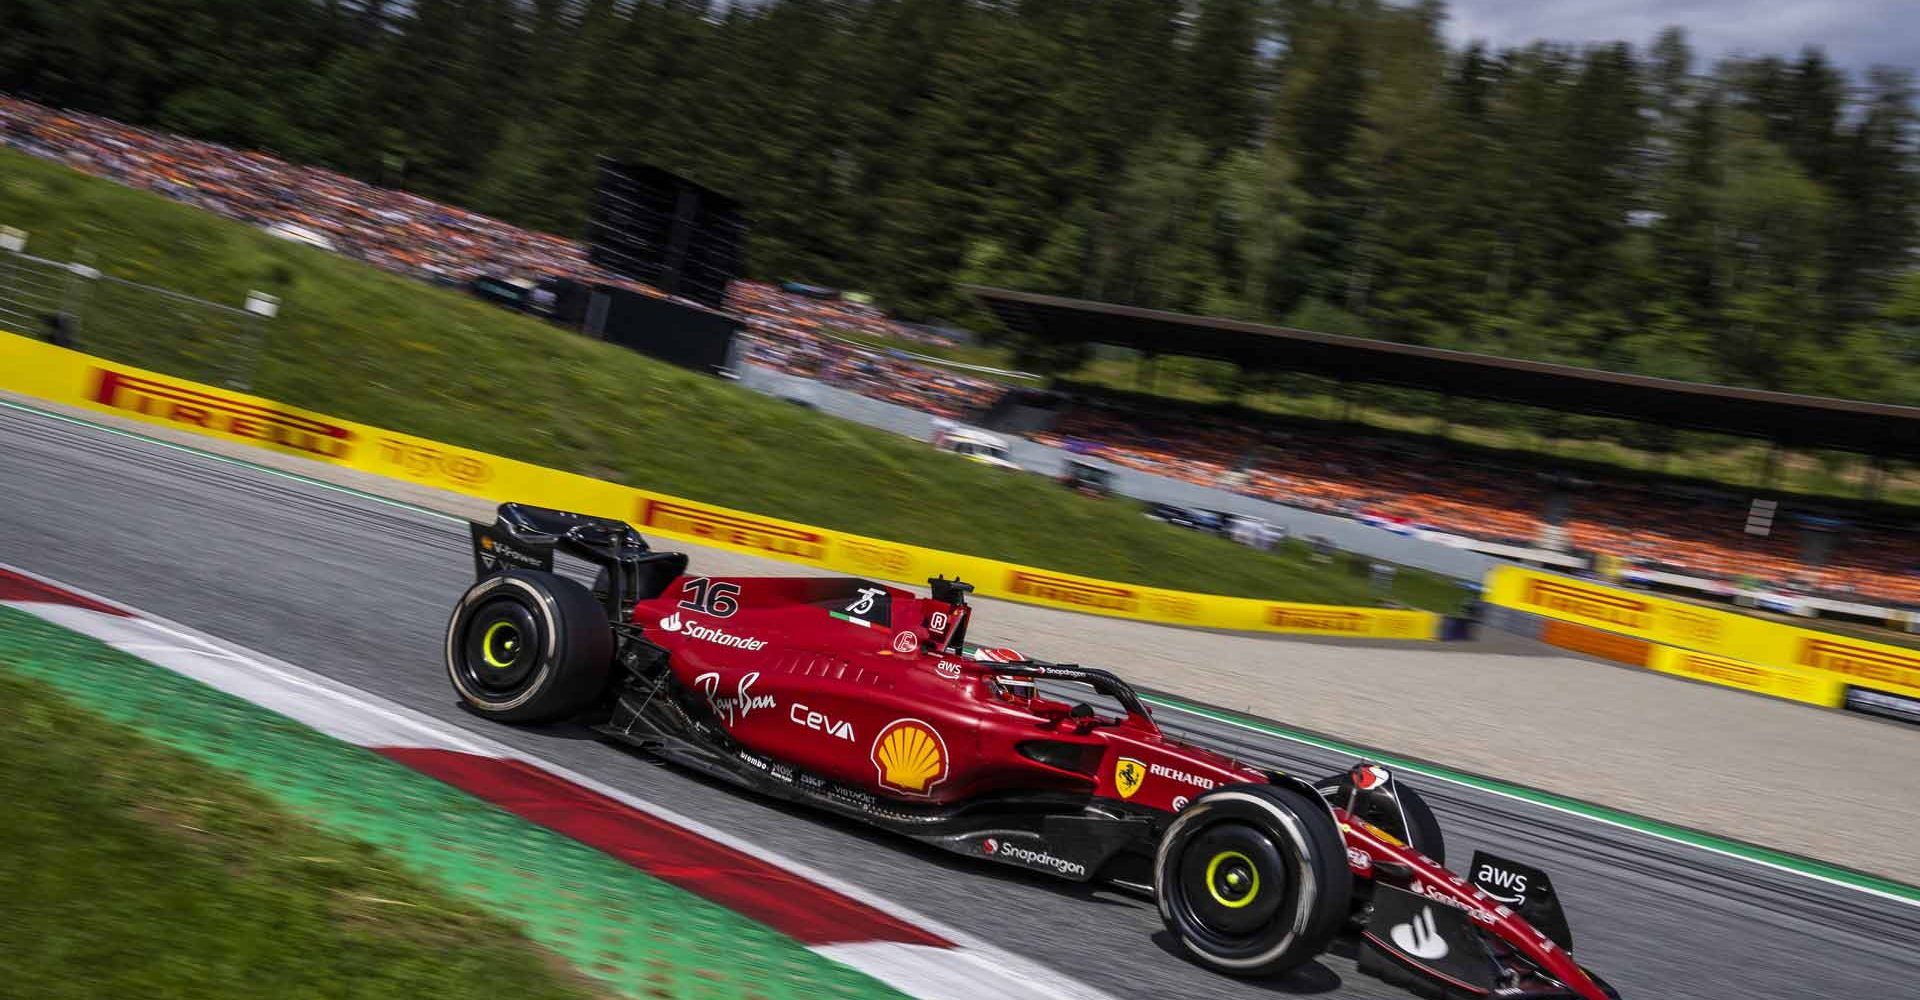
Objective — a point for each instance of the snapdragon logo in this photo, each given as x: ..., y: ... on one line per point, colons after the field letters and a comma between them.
x: 1031, y: 858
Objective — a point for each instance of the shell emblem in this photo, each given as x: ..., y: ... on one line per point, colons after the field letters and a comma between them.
x: 910, y: 757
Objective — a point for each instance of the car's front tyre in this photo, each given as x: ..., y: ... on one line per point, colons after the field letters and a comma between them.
x: 1252, y: 880
x: 528, y: 646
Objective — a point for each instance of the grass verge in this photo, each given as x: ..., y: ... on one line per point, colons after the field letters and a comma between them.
x: 362, y: 344
x: 130, y: 870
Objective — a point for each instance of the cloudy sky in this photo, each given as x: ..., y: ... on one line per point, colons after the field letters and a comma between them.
x: 1855, y: 33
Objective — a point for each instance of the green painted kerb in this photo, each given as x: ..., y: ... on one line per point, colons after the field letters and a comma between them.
x: 641, y: 936
x: 1632, y: 821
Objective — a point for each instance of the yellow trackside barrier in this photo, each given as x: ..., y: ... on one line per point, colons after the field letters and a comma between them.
x: 47, y: 372
x: 1780, y: 682
x: 1741, y: 639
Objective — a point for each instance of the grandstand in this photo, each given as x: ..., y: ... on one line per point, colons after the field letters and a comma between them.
x: 1669, y: 530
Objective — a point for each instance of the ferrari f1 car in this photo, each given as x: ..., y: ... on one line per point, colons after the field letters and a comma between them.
x: 867, y: 700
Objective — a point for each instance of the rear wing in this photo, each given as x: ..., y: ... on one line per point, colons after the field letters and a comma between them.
x: 524, y: 537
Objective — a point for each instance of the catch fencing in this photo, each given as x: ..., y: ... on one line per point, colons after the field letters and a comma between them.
x: 76, y: 304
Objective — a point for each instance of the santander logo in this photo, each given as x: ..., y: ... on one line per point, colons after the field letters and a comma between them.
x: 670, y: 623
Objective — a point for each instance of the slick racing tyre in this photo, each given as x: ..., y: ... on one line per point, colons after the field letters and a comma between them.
x: 1252, y: 880
x: 528, y: 647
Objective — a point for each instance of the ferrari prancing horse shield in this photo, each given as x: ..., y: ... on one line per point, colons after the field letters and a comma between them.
x: 1127, y: 776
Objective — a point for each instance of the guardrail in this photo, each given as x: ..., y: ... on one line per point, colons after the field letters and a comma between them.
x: 70, y: 377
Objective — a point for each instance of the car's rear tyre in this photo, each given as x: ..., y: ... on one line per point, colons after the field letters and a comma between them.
x: 526, y: 646
x: 1252, y: 880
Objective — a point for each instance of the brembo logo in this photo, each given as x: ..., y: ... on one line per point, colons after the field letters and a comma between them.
x: 1320, y: 621
x: 1075, y: 592
x: 222, y: 414
x: 1598, y: 605
x: 1031, y: 858
x: 727, y: 529
x: 1881, y: 665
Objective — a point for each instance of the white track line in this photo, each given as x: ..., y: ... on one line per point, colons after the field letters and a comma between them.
x: 1492, y: 789
x: 970, y: 971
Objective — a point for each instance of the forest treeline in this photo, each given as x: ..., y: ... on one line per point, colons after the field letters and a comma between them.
x: 1332, y: 164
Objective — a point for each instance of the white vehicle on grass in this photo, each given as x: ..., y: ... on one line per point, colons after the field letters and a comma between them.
x: 987, y: 449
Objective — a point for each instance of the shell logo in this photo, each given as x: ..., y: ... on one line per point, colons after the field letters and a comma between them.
x: 910, y: 757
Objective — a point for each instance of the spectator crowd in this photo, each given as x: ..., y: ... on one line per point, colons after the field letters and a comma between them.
x: 410, y: 235
x: 800, y: 332
x: 1387, y: 478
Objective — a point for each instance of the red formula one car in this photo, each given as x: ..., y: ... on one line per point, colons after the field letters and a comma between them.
x: 866, y: 700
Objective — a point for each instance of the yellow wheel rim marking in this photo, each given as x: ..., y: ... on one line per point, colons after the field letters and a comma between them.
x: 486, y: 646
x: 1213, y: 868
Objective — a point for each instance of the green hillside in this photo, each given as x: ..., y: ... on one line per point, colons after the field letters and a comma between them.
x: 366, y: 345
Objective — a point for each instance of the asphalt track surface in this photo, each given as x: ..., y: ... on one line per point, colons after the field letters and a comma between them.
x: 359, y: 590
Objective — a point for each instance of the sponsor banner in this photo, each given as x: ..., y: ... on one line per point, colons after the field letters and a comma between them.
x: 68, y: 377
x: 1780, y: 682
x: 1730, y: 636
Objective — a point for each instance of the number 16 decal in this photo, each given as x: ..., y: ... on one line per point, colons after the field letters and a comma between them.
x: 711, y: 598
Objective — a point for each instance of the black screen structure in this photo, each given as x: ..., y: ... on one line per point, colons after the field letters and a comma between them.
x: 686, y: 335
x: 666, y: 231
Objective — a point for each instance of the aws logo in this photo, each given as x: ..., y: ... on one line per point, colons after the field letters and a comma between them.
x: 909, y: 756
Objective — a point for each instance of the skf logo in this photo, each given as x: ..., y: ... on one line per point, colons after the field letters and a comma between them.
x: 684, y: 519
x: 222, y: 414
x: 422, y: 462
x: 1881, y: 665
x: 910, y: 757
x: 1074, y: 592
x: 1597, y: 605
x: 878, y: 560
x: 1128, y: 774
x: 1351, y: 622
